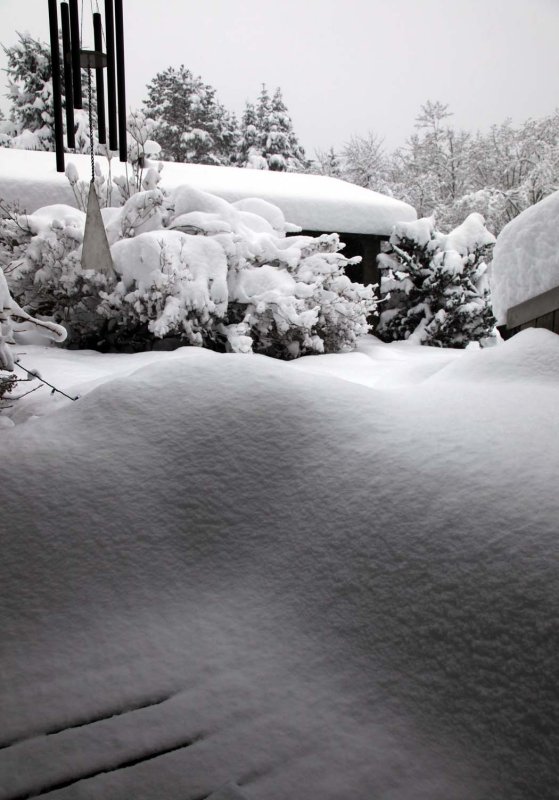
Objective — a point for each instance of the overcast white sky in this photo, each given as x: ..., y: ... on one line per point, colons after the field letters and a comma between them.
x: 344, y: 67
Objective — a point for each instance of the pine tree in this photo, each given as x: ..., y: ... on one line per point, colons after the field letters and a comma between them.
x: 267, y: 138
x: 263, y: 109
x: 282, y: 148
x: 30, y: 91
x: 437, y: 284
x: 191, y: 125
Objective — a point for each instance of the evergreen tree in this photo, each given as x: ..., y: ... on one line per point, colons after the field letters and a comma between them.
x: 190, y: 124
x: 30, y: 91
x: 282, y: 148
x: 250, y: 147
x: 263, y: 109
x: 437, y: 284
x: 267, y: 138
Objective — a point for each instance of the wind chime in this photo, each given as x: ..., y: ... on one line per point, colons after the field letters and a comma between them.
x: 95, y: 251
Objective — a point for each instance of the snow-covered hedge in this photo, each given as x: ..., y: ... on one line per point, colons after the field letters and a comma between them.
x: 193, y: 266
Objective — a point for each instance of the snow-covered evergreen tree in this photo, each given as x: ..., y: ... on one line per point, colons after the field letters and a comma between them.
x: 267, y: 139
x: 30, y: 91
x: 190, y: 124
x: 437, y: 284
x: 281, y: 148
x: 249, y: 146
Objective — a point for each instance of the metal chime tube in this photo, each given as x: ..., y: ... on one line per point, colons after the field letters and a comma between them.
x: 56, y: 94
x: 68, y: 87
x: 111, y: 79
x: 99, y: 82
x: 76, y: 68
x: 119, y: 42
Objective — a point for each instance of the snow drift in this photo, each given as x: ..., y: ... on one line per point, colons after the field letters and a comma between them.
x: 227, y: 570
x: 526, y: 257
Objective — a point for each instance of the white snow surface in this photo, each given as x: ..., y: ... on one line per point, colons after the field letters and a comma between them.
x: 314, y: 202
x: 232, y: 577
x: 526, y: 257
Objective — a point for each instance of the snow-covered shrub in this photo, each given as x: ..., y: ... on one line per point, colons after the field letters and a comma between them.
x: 48, y: 278
x: 172, y: 284
x: 142, y: 173
x: 80, y: 187
x: 193, y: 266
x: 142, y: 152
x: 299, y: 301
x: 437, y: 283
x: 14, y: 235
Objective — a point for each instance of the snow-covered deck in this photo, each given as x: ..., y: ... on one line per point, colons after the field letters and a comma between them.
x: 315, y: 202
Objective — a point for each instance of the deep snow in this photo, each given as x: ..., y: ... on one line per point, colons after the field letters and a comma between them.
x: 315, y: 202
x: 526, y: 256
x: 330, y: 578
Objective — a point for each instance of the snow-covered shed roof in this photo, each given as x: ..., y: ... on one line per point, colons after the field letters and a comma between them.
x: 315, y: 202
x: 526, y: 256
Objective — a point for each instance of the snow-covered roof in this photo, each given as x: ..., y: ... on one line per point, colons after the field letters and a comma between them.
x: 526, y: 257
x: 315, y: 202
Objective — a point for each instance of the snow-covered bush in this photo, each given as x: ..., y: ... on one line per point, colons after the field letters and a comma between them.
x: 47, y: 279
x: 142, y: 171
x: 193, y: 266
x: 437, y: 284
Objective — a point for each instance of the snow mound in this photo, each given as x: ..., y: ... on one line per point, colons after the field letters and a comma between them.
x: 526, y: 257
x: 531, y: 355
x: 222, y: 570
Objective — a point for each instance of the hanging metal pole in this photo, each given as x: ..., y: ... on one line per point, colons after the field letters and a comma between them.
x: 99, y: 81
x: 56, y: 94
x: 111, y: 79
x: 119, y: 41
x: 68, y: 87
x: 76, y: 72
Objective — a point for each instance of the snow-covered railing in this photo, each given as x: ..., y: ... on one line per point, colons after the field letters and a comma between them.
x: 541, y: 311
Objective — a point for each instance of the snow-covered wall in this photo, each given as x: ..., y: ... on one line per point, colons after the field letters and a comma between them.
x: 315, y: 202
x: 526, y: 257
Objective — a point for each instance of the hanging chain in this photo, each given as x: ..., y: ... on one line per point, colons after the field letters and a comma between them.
x: 90, y: 99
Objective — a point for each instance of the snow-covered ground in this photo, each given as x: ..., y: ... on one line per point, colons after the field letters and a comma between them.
x: 328, y: 579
